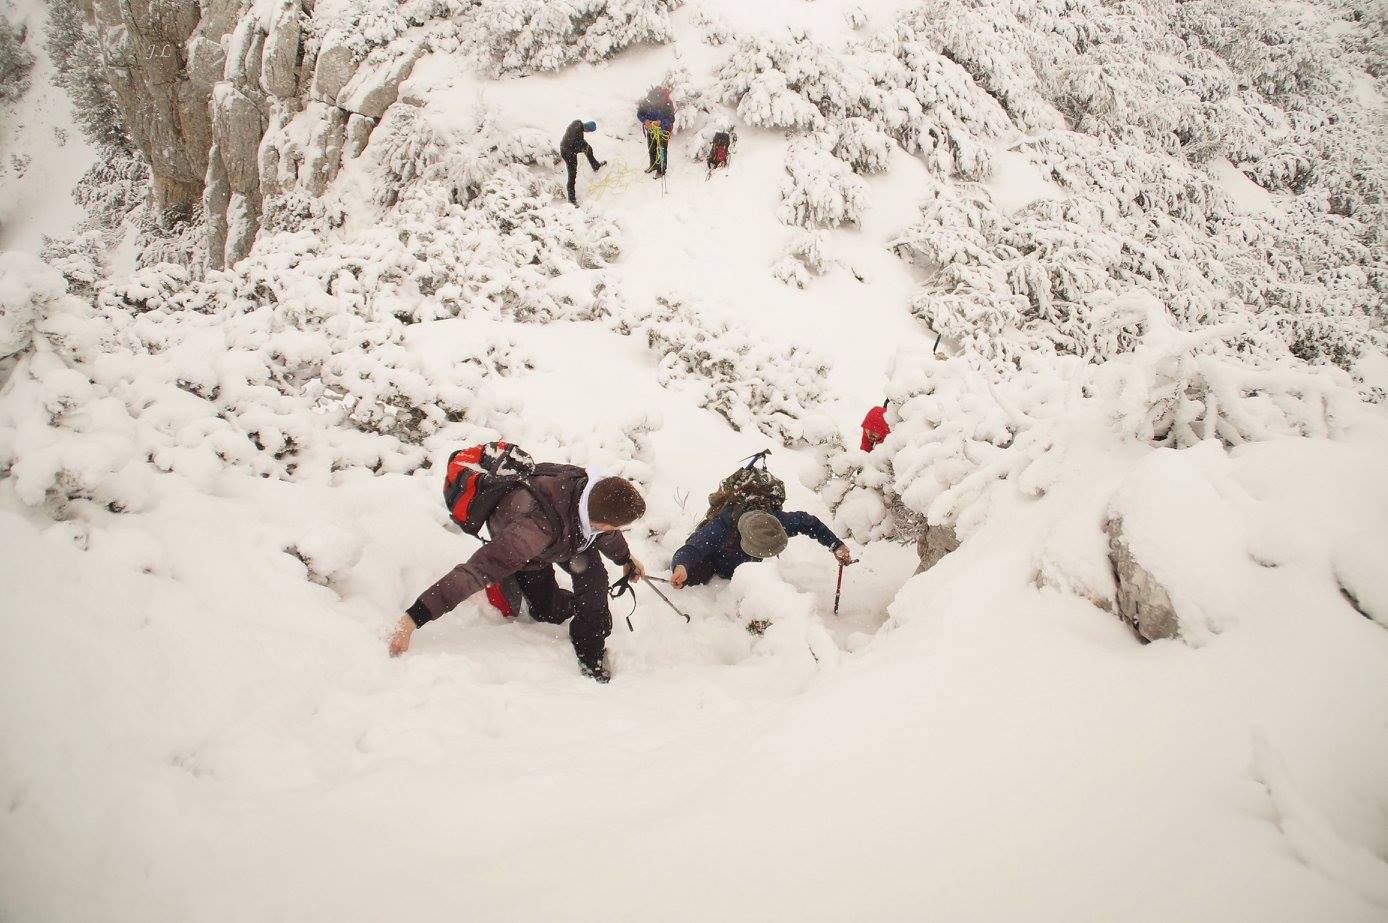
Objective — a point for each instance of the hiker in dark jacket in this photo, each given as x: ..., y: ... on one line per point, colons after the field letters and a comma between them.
x: 718, y: 548
x: 658, y: 109
x: 573, y: 144
x: 589, y: 511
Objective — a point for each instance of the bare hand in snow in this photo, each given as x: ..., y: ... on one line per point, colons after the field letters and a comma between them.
x: 678, y: 577
x: 400, y: 641
x: 843, y: 555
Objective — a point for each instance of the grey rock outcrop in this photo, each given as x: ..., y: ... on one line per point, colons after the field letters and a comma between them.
x: 279, y: 62
x: 333, y: 69
x: 358, y: 134
x: 162, y: 97
x: 936, y: 541
x: 377, y: 84
x: 218, y: 98
x: 1141, y: 600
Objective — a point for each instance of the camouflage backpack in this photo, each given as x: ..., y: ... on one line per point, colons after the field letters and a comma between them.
x: 750, y: 487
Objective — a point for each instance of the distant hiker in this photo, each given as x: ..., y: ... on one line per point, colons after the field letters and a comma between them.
x: 656, y: 113
x: 745, y: 523
x: 547, y: 515
x: 720, y: 148
x: 875, y: 427
x: 574, y: 144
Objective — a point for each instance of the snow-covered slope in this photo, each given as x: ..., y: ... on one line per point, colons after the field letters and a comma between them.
x: 42, y: 155
x: 213, y: 511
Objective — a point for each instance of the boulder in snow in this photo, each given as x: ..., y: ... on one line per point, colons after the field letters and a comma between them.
x: 936, y: 541
x: 1142, y: 601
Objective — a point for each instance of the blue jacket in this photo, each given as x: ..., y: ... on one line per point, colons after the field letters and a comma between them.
x: 664, y: 113
x: 711, y: 541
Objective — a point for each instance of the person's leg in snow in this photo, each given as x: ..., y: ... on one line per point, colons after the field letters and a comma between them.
x: 571, y: 164
x: 592, y: 619
x: 585, y: 608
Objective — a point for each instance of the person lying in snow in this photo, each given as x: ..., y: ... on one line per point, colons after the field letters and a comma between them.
x: 589, y: 512
x: 657, y: 109
x: 573, y: 144
x: 746, y: 523
x: 875, y: 427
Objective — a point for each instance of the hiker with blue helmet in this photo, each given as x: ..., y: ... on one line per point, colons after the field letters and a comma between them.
x: 574, y: 144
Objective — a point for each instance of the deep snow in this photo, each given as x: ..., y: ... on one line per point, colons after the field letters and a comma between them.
x: 195, y: 731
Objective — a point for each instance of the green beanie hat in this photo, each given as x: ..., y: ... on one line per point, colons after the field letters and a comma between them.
x: 762, y: 534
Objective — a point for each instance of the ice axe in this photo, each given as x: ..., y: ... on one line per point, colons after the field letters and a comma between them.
x: 623, y: 586
x: 838, y: 588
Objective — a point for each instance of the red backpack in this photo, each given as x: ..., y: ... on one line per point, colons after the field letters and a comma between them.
x: 718, y: 153
x: 478, y: 477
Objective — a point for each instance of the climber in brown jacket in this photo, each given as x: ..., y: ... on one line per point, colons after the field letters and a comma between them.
x: 589, y: 511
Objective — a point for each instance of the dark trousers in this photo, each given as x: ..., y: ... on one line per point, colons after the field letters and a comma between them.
x: 584, y: 608
x: 571, y: 162
x: 656, y: 150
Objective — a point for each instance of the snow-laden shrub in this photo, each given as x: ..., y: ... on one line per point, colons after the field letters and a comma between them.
x: 793, y: 82
x: 805, y: 257
x: 961, y: 430
x: 862, y: 144
x: 79, y: 69
x: 81, y: 258
x: 27, y: 288
x: 1001, y: 285
x: 528, y: 36
x: 752, y: 385
x: 365, y: 25
x: 712, y: 28
x: 16, y: 62
x: 819, y: 189
x: 295, y: 365
x: 114, y: 187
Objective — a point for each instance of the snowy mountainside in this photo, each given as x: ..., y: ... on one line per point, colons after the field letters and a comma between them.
x: 1160, y: 282
x: 41, y: 154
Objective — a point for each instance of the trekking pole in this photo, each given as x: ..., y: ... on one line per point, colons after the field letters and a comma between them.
x: 667, y: 602
x: 838, y: 590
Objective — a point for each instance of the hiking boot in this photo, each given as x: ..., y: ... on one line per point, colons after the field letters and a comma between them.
x: 595, y: 669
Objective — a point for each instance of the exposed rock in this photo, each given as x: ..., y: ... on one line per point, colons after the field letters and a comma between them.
x: 324, y: 154
x: 243, y: 221
x: 279, y: 60
x: 142, y: 43
x: 237, y: 126
x: 376, y: 85
x: 359, y: 129
x: 1142, y: 601
x: 271, y: 178
x: 215, y: 198
x: 207, y: 62
x: 935, y: 542
x: 333, y: 69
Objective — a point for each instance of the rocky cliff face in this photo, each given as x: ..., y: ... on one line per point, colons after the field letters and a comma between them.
x: 210, y: 89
